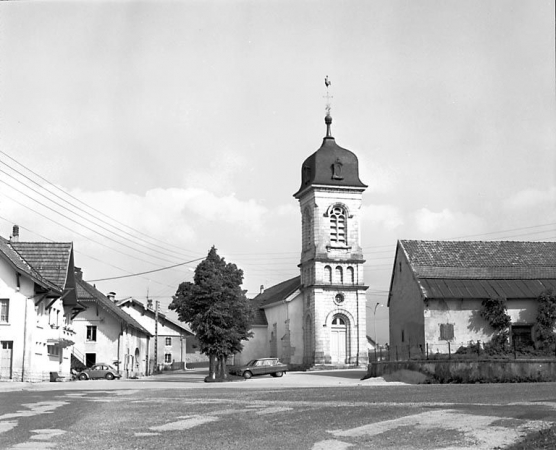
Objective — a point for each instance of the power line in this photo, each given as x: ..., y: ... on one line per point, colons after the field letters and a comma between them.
x: 150, y: 271
x: 89, y: 219
x: 83, y: 254
x: 171, y: 249
x: 73, y: 220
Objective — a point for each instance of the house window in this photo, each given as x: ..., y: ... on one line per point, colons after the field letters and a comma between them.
x: 53, y: 350
x: 446, y: 331
x: 4, y: 310
x: 338, y: 225
x: 522, y: 335
x: 92, y: 333
x: 168, y: 341
x: 168, y: 358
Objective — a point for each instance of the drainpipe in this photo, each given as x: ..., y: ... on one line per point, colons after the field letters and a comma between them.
x: 119, y: 362
x: 357, y: 356
x: 24, y: 341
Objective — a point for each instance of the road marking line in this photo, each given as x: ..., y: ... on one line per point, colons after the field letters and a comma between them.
x: 477, y: 428
x: 7, y: 426
x: 46, y: 433
x: 187, y: 423
x: 331, y: 444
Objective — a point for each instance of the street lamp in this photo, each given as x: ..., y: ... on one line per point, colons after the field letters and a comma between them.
x: 374, y: 320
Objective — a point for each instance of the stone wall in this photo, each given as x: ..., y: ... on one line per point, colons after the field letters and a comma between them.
x: 472, y: 371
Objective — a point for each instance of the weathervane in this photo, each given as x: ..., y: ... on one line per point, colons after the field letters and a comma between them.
x: 328, y: 118
x: 328, y: 97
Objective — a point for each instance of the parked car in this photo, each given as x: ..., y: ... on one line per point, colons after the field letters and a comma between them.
x: 262, y: 366
x: 100, y: 370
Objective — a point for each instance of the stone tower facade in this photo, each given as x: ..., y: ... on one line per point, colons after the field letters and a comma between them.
x: 331, y: 266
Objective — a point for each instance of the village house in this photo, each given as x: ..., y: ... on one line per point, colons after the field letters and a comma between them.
x: 106, y: 334
x: 319, y: 317
x: 173, y: 344
x: 38, y: 303
x: 437, y: 288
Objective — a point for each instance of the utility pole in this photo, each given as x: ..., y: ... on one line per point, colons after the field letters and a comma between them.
x: 374, y: 320
x: 156, y: 336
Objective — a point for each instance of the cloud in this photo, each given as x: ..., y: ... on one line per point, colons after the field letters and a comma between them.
x: 446, y: 224
x: 387, y: 216
x: 532, y: 198
x: 380, y: 179
x: 289, y: 209
x: 181, y: 214
x: 221, y: 174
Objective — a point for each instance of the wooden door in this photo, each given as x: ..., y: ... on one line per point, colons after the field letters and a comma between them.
x: 338, y: 341
x: 6, y: 352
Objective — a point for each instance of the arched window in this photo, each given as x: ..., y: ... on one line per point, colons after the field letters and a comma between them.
x: 350, y: 275
x: 338, y: 225
x: 338, y: 320
x: 307, y: 229
x: 339, y: 275
x: 327, y: 274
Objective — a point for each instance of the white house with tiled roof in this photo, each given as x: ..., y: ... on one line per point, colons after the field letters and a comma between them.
x: 319, y: 317
x: 106, y: 334
x: 174, y: 341
x: 38, y: 303
x: 437, y: 288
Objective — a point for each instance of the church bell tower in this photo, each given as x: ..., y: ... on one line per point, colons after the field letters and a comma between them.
x: 331, y: 266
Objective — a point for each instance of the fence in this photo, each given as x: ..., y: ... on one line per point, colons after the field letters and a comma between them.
x: 452, y: 350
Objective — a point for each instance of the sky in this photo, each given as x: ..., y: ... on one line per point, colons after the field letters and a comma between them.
x: 147, y: 132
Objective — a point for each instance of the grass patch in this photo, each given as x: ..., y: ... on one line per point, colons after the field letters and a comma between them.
x: 407, y: 376
x: 544, y: 439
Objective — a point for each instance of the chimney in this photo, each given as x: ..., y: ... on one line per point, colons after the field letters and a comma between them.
x: 262, y: 289
x: 15, y: 234
x: 78, y: 273
x: 149, y: 303
x: 111, y: 296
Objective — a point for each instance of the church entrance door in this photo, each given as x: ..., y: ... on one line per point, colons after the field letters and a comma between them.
x: 338, y: 340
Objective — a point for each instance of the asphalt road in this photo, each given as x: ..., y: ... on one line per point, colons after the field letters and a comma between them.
x: 317, y: 410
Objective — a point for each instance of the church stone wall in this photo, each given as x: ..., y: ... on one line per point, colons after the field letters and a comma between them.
x: 285, y: 329
x: 256, y: 347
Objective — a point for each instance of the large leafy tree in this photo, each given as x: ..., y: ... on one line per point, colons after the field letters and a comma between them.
x: 217, y: 310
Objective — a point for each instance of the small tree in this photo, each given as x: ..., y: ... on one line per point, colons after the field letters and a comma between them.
x: 494, y: 311
x: 217, y: 310
x: 546, y: 319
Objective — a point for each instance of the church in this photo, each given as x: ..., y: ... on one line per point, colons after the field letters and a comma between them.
x: 318, y: 319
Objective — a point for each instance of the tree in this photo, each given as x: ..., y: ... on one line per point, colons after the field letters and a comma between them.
x: 546, y: 319
x: 494, y: 311
x: 217, y: 310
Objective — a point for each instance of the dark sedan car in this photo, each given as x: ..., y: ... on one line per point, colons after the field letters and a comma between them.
x: 263, y: 366
x: 100, y: 370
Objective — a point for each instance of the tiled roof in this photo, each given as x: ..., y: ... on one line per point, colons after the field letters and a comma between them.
x: 259, y: 317
x: 465, y: 270
x: 481, y: 259
x: 479, y: 289
x: 271, y: 295
x: 131, y: 301
x: 278, y: 292
x: 50, y: 259
x: 25, y: 267
x: 87, y: 293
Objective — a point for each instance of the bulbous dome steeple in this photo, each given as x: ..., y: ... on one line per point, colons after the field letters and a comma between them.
x: 330, y: 165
